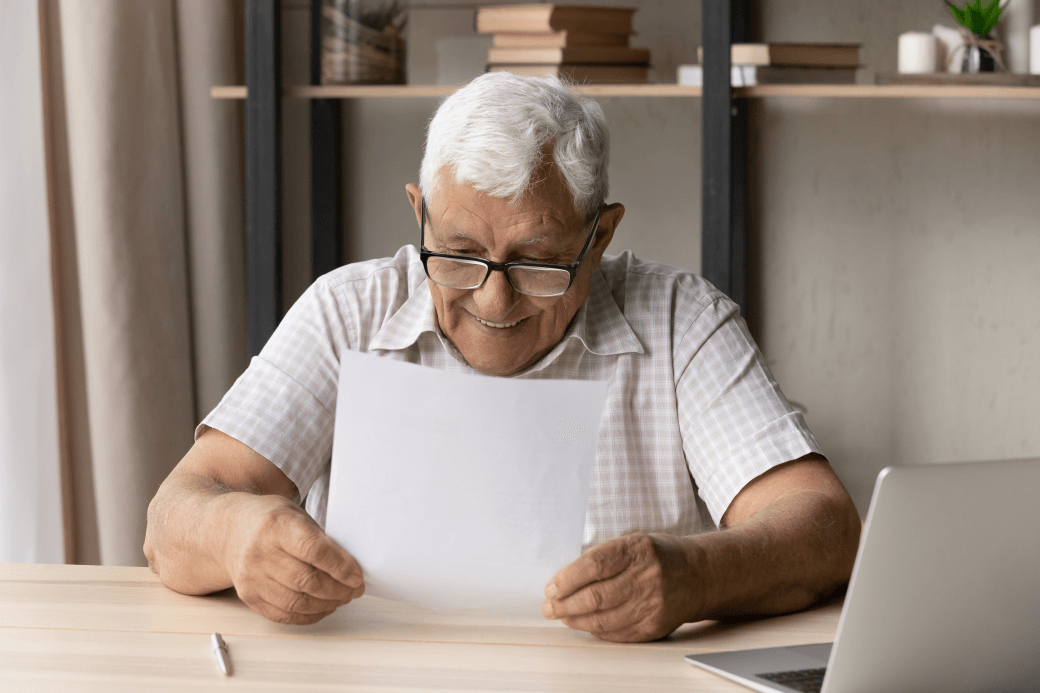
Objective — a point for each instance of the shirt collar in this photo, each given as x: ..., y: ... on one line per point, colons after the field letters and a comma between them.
x: 416, y: 315
x: 599, y: 324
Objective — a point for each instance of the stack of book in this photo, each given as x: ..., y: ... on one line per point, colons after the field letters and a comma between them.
x: 783, y: 63
x: 584, y: 44
x: 362, y: 47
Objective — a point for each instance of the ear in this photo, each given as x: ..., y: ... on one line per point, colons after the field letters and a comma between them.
x: 608, y: 222
x: 415, y: 199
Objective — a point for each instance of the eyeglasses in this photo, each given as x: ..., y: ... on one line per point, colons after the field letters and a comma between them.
x: 531, y: 278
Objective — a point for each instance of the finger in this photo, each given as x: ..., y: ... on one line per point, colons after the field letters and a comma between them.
x: 302, y: 577
x: 598, y: 563
x: 634, y: 620
x: 632, y: 633
x: 278, y: 615
x: 634, y: 630
x: 308, y: 543
x: 607, y: 621
x: 598, y: 596
x: 626, y: 623
x: 287, y: 599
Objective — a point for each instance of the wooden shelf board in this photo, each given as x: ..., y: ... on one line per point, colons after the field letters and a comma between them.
x: 869, y: 91
x: 998, y: 79
x: 639, y: 90
x: 438, y: 91
x: 897, y: 91
x: 228, y: 92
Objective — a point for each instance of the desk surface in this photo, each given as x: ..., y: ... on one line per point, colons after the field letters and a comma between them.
x: 110, y: 629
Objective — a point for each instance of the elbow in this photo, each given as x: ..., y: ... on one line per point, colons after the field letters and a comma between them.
x: 853, y: 529
x: 159, y: 534
x: 151, y: 543
x: 842, y: 538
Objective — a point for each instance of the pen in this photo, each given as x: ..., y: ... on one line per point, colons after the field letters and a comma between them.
x: 220, y: 650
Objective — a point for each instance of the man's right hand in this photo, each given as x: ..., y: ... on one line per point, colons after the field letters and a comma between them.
x: 224, y: 518
x: 283, y: 566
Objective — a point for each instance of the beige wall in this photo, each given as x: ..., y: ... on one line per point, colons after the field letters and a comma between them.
x: 896, y: 243
x: 898, y: 260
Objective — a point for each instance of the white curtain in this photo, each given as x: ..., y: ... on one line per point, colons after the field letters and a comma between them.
x: 30, y: 488
x: 145, y: 329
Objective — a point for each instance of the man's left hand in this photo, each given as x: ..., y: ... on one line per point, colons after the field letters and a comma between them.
x: 634, y: 588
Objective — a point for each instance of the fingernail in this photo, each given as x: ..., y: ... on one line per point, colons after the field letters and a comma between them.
x: 550, y: 590
x: 354, y: 581
x: 547, y: 609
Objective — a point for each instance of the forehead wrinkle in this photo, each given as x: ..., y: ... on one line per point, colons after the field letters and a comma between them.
x: 454, y: 233
x: 536, y: 241
x: 553, y: 237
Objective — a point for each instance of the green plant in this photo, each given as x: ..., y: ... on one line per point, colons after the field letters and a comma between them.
x: 976, y: 18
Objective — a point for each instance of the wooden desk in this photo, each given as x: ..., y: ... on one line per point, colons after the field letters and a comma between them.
x: 87, y: 628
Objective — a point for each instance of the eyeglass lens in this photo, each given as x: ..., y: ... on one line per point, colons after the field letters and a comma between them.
x: 468, y: 274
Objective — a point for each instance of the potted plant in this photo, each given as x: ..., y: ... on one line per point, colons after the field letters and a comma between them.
x: 981, y: 52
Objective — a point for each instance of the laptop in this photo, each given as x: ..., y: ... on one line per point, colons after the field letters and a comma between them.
x: 944, y: 595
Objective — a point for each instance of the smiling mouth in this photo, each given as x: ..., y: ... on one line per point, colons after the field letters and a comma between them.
x: 498, y: 325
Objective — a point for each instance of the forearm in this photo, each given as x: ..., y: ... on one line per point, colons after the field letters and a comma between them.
x: 188, y: 527
x: 787, y: 556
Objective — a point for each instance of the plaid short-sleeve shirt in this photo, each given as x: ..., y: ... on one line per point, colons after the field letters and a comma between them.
x: 692, y: 413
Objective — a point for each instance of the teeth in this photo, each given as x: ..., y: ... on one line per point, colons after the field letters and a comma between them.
x: 499, y: 325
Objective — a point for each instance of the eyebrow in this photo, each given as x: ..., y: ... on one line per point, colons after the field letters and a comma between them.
x: 459, y: 235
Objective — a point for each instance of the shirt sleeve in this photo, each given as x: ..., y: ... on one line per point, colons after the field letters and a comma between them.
x: 284, y: 405
x: 734, y: 420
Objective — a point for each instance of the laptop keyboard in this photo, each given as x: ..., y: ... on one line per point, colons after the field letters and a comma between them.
x: 805, y: 680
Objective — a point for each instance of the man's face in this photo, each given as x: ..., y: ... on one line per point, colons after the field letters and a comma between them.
x: 498, y: 330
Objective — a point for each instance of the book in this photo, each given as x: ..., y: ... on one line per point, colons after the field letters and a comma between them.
x: 550, y: 17
x: 750, y: 75
x: 365, y: 54
x: 792, y: 54
x: 558, y: 39
x: 579, y: 54
x: 581, y: 74
x: 355, y: 52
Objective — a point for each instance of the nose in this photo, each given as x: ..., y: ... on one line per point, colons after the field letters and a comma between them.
x: 496, y: 298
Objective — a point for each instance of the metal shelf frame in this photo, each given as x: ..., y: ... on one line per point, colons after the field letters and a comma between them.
x: 263, y: 170
x: 724, y: 154
x: 724, y: 162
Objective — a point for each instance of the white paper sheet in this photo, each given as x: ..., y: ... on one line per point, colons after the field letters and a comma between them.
x: 459, y: 492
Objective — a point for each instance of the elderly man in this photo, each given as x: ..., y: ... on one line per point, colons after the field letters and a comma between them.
x: 511, y: 280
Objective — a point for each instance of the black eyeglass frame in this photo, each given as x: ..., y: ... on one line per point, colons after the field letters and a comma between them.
x: 571, y: 269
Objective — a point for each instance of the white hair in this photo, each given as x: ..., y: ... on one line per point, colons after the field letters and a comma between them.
x: 493, y: 133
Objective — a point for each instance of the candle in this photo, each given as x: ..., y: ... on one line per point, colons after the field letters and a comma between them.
x: 1015, y: 21
x: 916, y: 52
x: 1034, y: 50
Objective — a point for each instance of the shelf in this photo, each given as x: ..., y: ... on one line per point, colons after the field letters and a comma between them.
x: 887, y: 91
x: 865, y: 91
x: 398, y: 91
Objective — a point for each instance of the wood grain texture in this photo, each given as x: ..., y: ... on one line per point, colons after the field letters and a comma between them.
x: 112, y: 629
